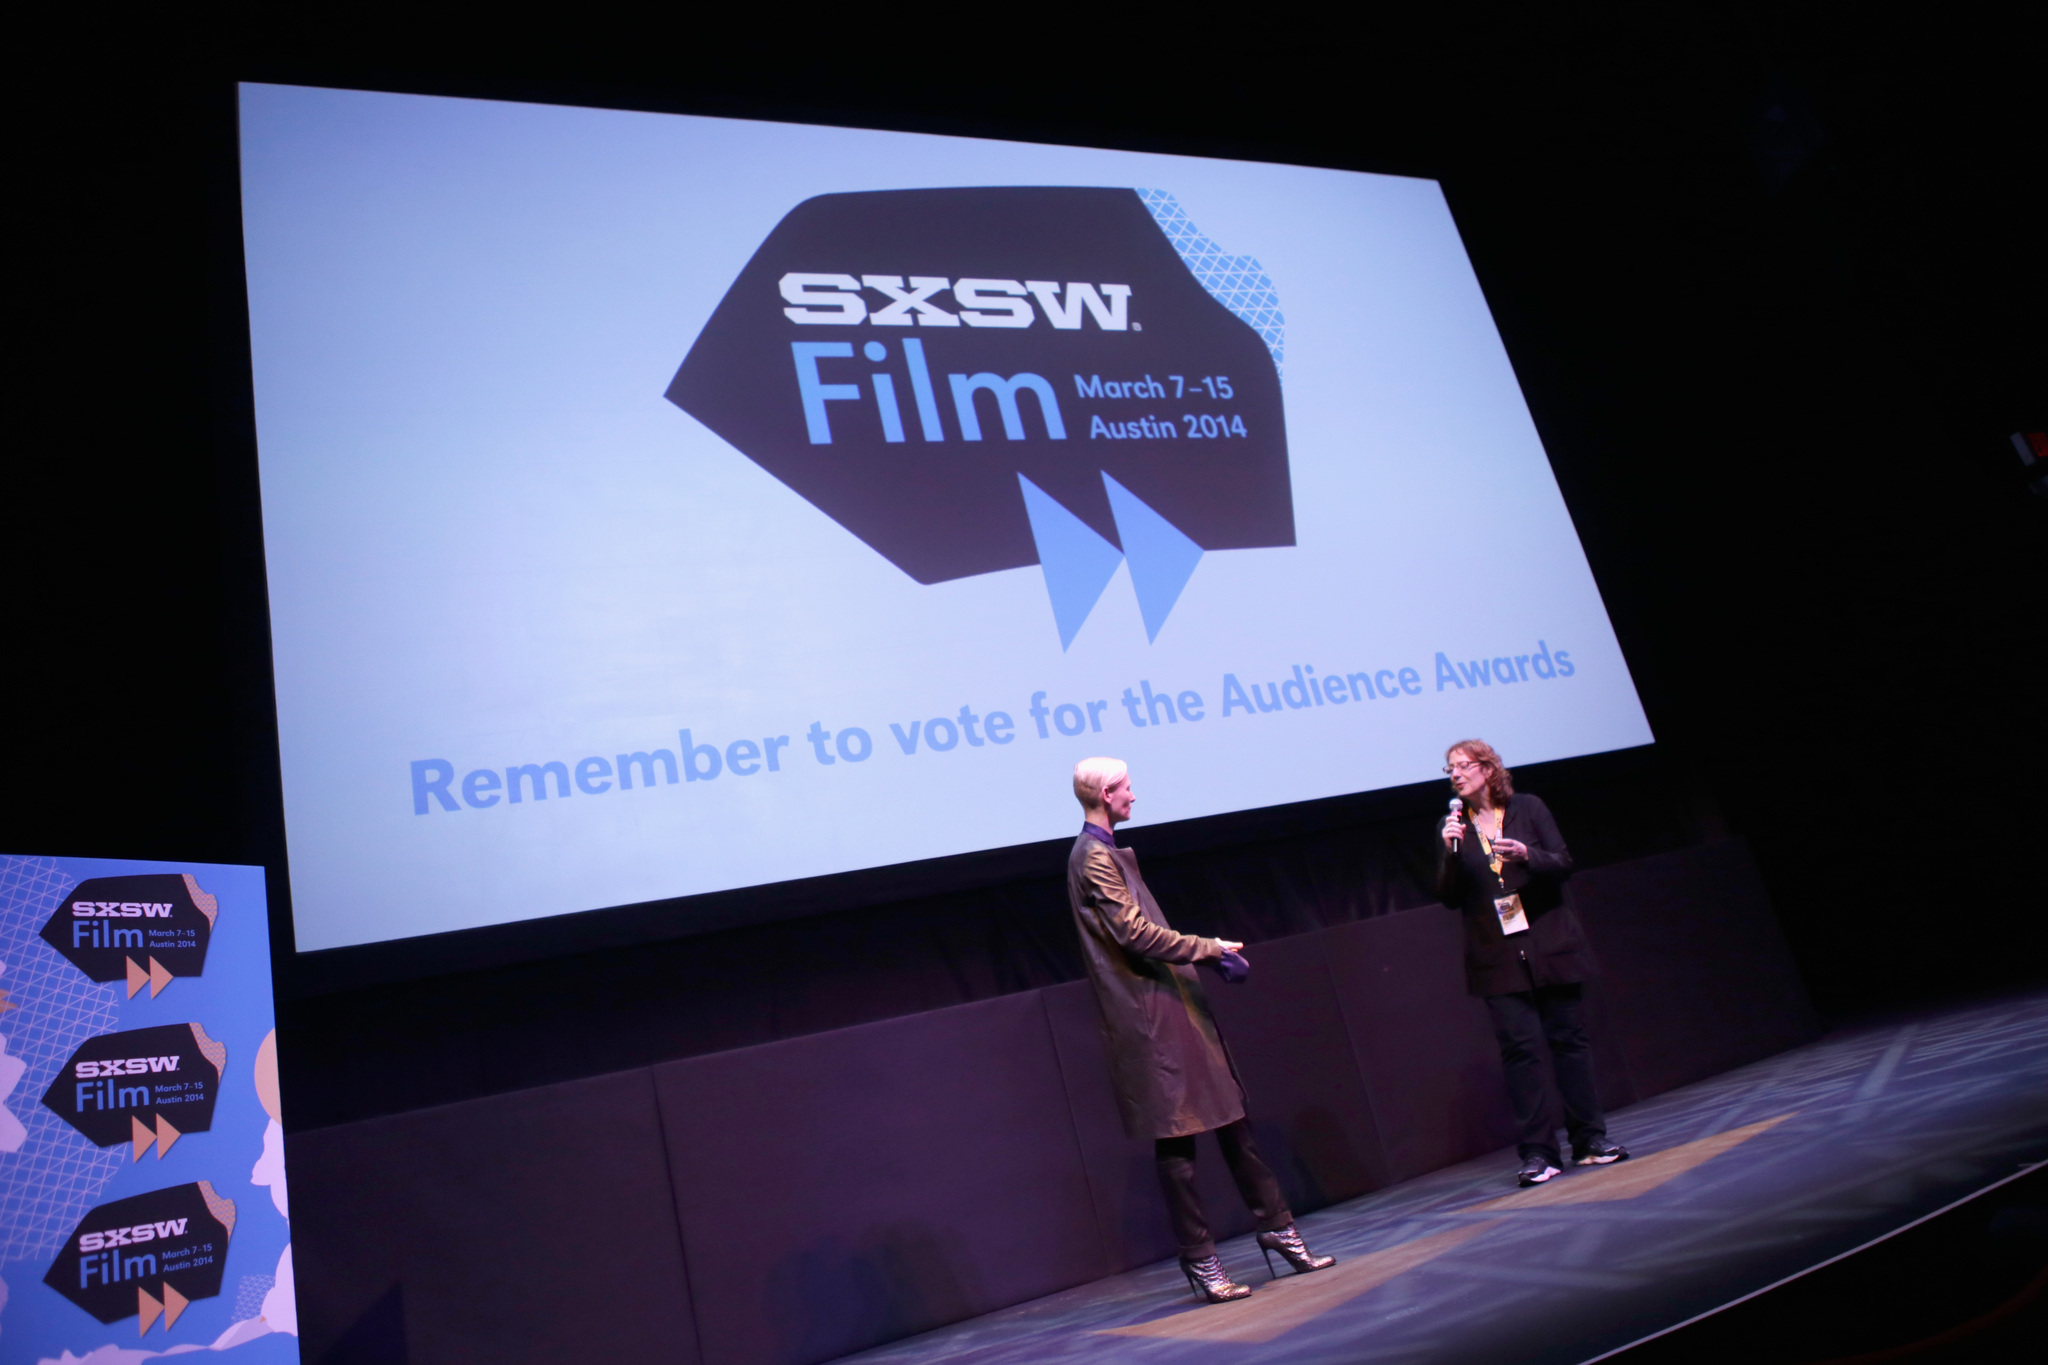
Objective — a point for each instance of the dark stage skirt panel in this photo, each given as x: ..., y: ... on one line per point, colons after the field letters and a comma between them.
x: 796, y: 1202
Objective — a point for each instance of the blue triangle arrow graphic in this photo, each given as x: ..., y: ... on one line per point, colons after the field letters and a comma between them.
x: 1078, y: 563
x: 1162, y: 558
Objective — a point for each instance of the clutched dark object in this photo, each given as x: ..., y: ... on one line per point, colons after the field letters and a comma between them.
x: 1232, y: 966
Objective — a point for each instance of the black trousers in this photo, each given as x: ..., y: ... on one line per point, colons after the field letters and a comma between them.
x: 1254, y: 1181
x: 1527, y: 1024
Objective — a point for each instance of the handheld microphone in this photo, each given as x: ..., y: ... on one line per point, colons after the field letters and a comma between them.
x: 1457, y: 813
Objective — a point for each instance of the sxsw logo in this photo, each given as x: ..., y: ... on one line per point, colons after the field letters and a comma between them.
x: 983, y: 303
x: 120, y: 909
x: 128, y: 1237
x: 1038, y: 376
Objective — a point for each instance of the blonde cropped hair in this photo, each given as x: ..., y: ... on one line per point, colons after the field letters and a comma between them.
x: 1094, y: 776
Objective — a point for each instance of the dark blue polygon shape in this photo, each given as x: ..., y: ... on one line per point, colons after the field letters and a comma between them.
x: 899, y: 472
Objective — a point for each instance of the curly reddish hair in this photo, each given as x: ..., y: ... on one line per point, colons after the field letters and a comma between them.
x: 1500, y: 783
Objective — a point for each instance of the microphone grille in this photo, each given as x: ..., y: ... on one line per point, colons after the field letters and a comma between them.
x: 1457, y: 804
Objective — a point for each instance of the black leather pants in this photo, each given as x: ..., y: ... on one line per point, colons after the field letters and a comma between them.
x: 1254, y: 1181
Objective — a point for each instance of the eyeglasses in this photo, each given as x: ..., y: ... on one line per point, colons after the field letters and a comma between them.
x: 1465, y: 767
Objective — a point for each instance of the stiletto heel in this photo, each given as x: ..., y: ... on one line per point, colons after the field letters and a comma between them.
x: 1293, y: 1251
x: 1210, y: 1281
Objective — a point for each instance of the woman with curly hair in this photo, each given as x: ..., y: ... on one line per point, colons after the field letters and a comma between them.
x: 1502, y: 865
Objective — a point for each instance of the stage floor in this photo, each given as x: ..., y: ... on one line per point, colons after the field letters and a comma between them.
x: 1737, y: 1183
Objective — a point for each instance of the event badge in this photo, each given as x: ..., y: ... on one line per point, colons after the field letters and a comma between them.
x: 1513, y: 919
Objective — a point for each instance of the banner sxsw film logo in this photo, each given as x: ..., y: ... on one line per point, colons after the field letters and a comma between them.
x: 148, y: 929
x: 148, y: 1255
x: 972, y: 380
x: 147, y: 1087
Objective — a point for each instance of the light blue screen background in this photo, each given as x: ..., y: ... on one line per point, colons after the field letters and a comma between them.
x: 491, y: 540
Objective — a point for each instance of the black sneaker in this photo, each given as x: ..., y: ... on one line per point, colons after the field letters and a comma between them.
x: 1603, y: 1154
x: 1535, y: 1171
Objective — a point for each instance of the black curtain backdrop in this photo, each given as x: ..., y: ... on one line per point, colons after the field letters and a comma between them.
x: 1770, y: 281
x: 365, y: 1051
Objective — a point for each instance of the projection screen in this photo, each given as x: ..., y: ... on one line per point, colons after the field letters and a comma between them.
x: 661, y: 505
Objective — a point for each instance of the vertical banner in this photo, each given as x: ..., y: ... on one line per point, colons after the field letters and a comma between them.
x: 143, y: 1208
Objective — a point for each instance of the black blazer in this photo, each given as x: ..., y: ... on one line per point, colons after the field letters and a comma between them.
x: 1555, y: 948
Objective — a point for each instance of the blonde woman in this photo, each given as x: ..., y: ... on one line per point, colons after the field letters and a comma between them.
x: 1173, y: 1077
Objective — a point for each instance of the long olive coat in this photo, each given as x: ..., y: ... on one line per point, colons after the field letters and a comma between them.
x: 1172, y: 1074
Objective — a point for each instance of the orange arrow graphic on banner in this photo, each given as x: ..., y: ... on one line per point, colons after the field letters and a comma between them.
x: 159, y: 978
x: 140, y: 1136
x: 165, y: 1136
x: 136, y: 977
x: 174, y: 1304
x: 148, y: 1309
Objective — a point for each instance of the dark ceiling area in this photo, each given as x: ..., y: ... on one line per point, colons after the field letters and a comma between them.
x: 1773, y: 286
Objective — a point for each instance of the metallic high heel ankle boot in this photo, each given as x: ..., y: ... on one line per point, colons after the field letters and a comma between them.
x: 1211, y: 1281
x: 1293, y: 1251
